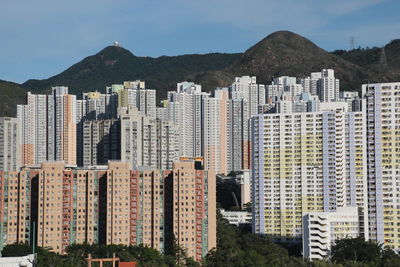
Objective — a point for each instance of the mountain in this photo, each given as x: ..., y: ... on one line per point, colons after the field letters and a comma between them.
x: 280, y: 53
x: 115, y: 64
x: 286, y: 53
x: 11, y: 95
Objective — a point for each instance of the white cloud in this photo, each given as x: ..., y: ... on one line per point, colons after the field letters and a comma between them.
x: 341, y: 7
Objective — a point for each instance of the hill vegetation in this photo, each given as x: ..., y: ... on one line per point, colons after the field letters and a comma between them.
x: 373, y: 57
x: 280, y: 53
x: 11, y: 94
x: 115, y: 64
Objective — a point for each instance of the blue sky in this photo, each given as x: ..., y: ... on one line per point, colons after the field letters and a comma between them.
x: 42, y: 38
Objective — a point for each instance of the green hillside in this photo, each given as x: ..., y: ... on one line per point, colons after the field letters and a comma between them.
x: 280, y: 53
x: 11, y: 94
x: 116, y: 64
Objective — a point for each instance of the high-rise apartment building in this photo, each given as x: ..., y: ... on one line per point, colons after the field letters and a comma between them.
x: 102, y: 204
x: 147, y: 207
x: 324, y: 84
x: 10, y: 144
x: 185, y: 108
x: 239, y: 138
x: 48, y: 127
x: 101, y: 142
x: 142, y: 99
x: 382, y: 108
x: 246, y: 88
x: 118, y: 214
x: 138, y: 138
x: 247, y: 98
x: 33, y: 120
x: 15, y: 207
x: 168, y: 138
x: 222, y: 95
x: 328, y: 86
x: 214, y: 139
x: 134, y: 94
x: 190, y: 207
x: 306, y: 162
x: 93, y: 106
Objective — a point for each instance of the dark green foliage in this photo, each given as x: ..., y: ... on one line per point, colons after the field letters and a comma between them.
x: 358, y: 252
x: 116, y: 64
x: 78, y: 253
x: 370, y: 57
x: 11, y: 94
x: 227, y: 191
x: 177, y: 255
x: 236, y: 248
x: 356, y: 249
x: 360, y: 56
x: 16, y: 250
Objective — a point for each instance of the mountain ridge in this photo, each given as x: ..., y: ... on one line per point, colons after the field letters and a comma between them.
x: 280, y: 53
x: 115, y: 64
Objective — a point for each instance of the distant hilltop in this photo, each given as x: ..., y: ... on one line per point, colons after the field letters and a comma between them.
x: 280, y: 53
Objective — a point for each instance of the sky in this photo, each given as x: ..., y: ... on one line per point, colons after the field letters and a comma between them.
x: 41, y: 38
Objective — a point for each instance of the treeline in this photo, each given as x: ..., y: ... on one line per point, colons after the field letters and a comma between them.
x: 78, y: 253
x: 235, y: 247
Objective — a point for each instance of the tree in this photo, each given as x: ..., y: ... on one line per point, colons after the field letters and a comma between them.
x: 248, y: 207
x: 16, y: 250
x: 357, y: 250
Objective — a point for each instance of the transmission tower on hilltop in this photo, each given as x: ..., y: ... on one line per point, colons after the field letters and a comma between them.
x: 352, y: 43
x: 382, y: 59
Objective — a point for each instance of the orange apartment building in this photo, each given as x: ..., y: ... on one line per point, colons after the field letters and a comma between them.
x: 109, y: 205
x: 190, y: 207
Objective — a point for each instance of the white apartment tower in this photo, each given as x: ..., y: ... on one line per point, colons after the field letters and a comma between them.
x: 185, y: 108
x: 246, y: 88
x: 381, y: 103
x: 33, y: 120
x: 328, y: 87
x: 324, y: 84
x: 10, y: 145
x: 167, y: 144
x: 48, y: 127
x: 138, y: 138
x: 306, y: 162
x: 212, y: 134
x: 246, y: 99
x: 61, y: 126
x: 142, y: 99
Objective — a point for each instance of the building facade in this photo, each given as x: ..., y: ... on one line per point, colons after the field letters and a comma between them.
x: 381, y: 103
x: 306, y: 162
x: 10, y: 144
x: 322, y: 229
x: 101, y: 142
x: 102, y: 204
x: 190, y: 207
x: 48, y: 127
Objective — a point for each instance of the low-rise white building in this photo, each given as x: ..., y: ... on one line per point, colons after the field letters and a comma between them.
x: 321, y: 229
x: 237, y: 217
x: 26, y: 261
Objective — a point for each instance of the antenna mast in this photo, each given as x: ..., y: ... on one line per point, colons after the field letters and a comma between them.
x: 352, y: 43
